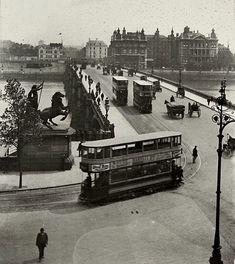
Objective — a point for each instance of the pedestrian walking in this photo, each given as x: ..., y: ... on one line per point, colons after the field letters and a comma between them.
x: 79, y: 148
x: 98, y: 101
x: 41, y: 242
x: 208, y: 101
x: 85, y: 77
x: 102, y: 96
x: 172, y: 99
x: 195, y: 154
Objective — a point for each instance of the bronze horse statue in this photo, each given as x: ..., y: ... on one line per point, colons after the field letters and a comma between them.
x: 57, y: 108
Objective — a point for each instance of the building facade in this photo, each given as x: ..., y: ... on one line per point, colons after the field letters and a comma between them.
x: 96, y: 50
x: 51, y: 52
x: 188, y: 50
x: 128, y: 49
x: 198, y: 51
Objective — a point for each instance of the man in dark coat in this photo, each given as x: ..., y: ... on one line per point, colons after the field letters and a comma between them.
x: 195, y: 154
x: 41, y: 242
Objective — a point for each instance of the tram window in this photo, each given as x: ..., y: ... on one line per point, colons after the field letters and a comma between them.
x: 91, y: 153
x: 84, y: 152
x: 99, y: 153
x: 164, y: 166
x: 118, y: 150
x: 164, y: 142
x: 134, y: 172
x: 133, y: 148
x: 149, y: 145
x: 107, y: 152
x: 118, y: 175
x: 176, y: 141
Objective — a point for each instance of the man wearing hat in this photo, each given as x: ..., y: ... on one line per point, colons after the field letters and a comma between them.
x: 41, y: 242
x: 33, y: 95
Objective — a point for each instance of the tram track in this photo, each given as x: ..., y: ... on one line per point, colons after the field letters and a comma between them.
x: 37, y: 199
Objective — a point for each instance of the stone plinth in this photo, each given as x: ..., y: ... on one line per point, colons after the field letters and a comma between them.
x: 54, y: 153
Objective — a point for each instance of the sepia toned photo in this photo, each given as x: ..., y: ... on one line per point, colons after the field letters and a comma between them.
x: 117, y: 132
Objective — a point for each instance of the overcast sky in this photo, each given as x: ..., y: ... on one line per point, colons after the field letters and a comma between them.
x: 28, y: 21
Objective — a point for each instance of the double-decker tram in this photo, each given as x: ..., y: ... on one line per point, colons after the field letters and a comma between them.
x: 142, y: 96
x: 120, y: 90
x: 119, y: 167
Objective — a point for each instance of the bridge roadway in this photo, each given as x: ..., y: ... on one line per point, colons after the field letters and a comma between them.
x: 168, y: 227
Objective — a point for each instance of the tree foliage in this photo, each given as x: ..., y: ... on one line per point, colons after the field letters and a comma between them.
x: 18, y: 123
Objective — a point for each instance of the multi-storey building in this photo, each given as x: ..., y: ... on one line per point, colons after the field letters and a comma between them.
x: 198, y: 51
x: 51, y: 52
x: 163, y: 50
x: 96, y: 50
x: 190, y: 50
x: 128, y: 49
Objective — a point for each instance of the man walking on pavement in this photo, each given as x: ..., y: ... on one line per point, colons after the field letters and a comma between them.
x: 41, y: 243
x: 195, y: 154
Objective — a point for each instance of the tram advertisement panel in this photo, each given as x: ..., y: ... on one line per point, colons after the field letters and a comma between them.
x: 100, y: 167
x: 140, y: 160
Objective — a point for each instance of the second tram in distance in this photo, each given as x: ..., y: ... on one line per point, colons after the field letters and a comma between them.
x: 119, y: 167
x: 120, y: 90
x: 142, y: 96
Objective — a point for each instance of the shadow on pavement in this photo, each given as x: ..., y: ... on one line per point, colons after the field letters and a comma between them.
x: 30, y: 261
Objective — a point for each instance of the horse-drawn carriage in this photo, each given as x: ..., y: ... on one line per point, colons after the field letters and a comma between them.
x: 229, y: 147
x: 195, y: 107
x: 174, y: 109
x: 105, y: 70
x: 131, y: 72
x: 180, y: 91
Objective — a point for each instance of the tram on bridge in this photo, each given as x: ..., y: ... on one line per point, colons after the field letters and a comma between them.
x: 121, y: 167
x: 120, y: 90
x: 142, y: 96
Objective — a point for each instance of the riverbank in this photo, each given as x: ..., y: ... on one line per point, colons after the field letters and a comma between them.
x: 20, y: 71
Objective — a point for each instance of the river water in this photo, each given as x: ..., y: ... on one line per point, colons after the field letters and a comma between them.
x: 211, y: 87
x: 49, y: 88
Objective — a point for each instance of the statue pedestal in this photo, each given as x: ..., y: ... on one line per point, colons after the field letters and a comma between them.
x: 54, y: 153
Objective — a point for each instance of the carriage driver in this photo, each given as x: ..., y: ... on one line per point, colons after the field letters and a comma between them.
x: 33, y: 95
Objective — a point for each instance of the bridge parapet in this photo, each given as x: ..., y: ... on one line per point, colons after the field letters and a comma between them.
x: 87, y: 117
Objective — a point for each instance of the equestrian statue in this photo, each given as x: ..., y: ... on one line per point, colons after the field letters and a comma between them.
x: 57, y: 107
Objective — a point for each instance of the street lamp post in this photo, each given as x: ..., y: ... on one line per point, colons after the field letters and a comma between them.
x: 222, y: 118
x: 106, y: 105
x: 180, y: 77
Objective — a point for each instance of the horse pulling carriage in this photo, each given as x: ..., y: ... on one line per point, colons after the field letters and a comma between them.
x: 174, y: 109
x: 195, y: 107
x: 229, y: 147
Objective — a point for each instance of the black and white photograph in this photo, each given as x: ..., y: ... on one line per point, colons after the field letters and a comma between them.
x: 117, y: 131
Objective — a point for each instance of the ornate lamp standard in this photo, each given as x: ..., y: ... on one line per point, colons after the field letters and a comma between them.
x: 222, y: 118
x: 106, y: 105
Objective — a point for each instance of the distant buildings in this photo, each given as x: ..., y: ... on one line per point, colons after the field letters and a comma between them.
x: 128, y: 49
x: 51, y: 52
x: 189, y: 50
x: 96, y: 50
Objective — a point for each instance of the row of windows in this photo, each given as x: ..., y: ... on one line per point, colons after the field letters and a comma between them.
x: 125, y: 149
x: 130, y: 51
x: 138, y: 171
